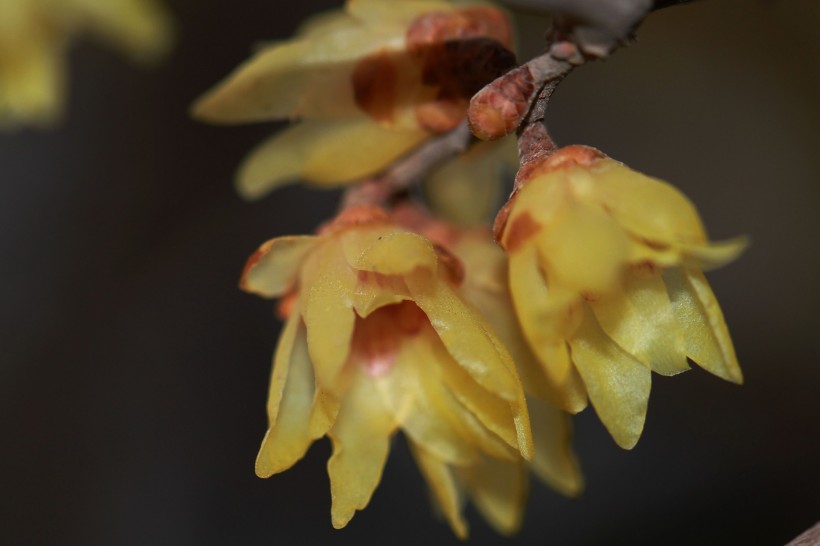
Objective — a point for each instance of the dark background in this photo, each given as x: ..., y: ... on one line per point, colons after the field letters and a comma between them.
x: 134, y: 374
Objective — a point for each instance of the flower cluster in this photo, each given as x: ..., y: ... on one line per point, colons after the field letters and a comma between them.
x: 476, y: 344
x: 34, y: 36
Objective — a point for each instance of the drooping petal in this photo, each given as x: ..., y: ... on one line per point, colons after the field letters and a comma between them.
x: 471, y: 343
x: 554, y: 462
x: 444, y: 488
x: 361, y: 441
x: 273, y: 268
x: 584, y: 250
x: 388, y: 252
x: 648, y: 208
x: 467, y: 337
x: 714, y: 254
x: 618, y: 384
x: 323, y: 153
x: 281, y: 364
x: 641, y: 320
x: 288, y: 437
x: 298, y: 78
x: 328, y: 312
x: 545, y: 326
x: 499, y: 490
x: 708, y: 342
x: 413, y: 391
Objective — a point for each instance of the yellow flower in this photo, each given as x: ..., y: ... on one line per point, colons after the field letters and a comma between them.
x: 367, y: 84
x: 377, y: 339
x: 606, y: 277
x: 484, y: 286
x: 34, y: 36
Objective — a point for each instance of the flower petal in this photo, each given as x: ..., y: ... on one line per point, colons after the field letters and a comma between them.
x: 646, y: 207
x: 545, y: 327
x: 388, y: 251
x: 618, y: 384
x: 328, y: 312
x: 327, y: 154
x: 477, y: 351
x: 273, y: 268
x: 499, y: 490
x: 708, y: 342
x: 443, y: 485
x: 641, y: 320
x: 360, y: 445
x: 299, y: 78
x: 554, y: 461
x: 584, y: 250
x: 288, y: 437
x: 715, y: 254
x: 414, y: 393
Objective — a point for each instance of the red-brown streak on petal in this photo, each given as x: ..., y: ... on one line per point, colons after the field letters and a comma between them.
x: 375, y: 85
x: 522, y: 227
x: 353, y: 216
x: 260, y: 253
x: 499, y: 108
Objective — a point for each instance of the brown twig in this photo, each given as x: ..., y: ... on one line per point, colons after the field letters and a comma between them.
x: 408, y: 170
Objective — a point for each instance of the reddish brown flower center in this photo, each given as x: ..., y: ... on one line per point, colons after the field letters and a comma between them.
x: 377, y: 338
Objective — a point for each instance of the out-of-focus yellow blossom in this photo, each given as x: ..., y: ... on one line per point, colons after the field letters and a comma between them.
x: 484, y: 286
x: 34, y: 37
x: 606, y: 277
x: 368, y: 84
x: 377, y: 339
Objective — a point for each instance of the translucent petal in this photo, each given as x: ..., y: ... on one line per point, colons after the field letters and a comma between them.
x: 389, y: 251
x: 361, y: 441
x: 708, y: 342
x: 618, y: 385
x: 493, y: 412
x: 444, y: 488
x: 323, y: 153
x: 299, y: 78
x: 584, y: 250
x: 281, y: 364
x: 544, y: 328
x: 714, y: 254
x: 328, y: 313
x: 287, y: 440
x: 499, y: 490
x: 414, y: 393
x: 468, y: 339
x: 468, y: 189
x: 554, y: 461
x: 475, y: 348
x: 641, y: 320
x: 273, y: 268
x: 648, y: 208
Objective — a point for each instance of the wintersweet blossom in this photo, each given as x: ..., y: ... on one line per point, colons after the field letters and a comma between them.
x: 377, y: 339
x: 34, y: 37
x: 366, y: 85
x: 606, y: 277
x: 484, y: 286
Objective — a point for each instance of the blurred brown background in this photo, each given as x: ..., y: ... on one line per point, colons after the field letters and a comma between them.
x: 133, y: 373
